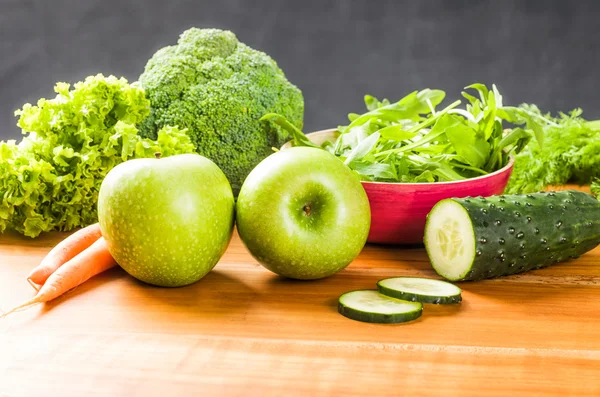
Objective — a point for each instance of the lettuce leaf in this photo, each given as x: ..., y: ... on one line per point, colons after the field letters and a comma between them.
x: 50, y: 180
x: 570, y: 152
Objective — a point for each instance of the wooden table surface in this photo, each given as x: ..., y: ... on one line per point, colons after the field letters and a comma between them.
x: 243, y: 331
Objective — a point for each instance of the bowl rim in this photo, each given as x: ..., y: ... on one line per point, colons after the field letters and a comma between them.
x: 507, y: 167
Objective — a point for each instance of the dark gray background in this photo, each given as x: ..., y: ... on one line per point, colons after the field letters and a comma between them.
x: 545, y: 52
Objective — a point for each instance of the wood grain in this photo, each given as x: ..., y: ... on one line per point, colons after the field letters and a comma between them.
x: 243, y: 331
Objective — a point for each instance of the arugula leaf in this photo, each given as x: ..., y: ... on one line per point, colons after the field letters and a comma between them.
x: 482, y: 90
x: 432, y: 135
x: 396, y: 133
x: 353, y: 137
x: 533, y: 125
x: 353, y: 116
x: 472, y: 100
x: 436, y: 166
x: 373, y: 103
x: 468, y: 143
x: 374, y: 171
x: 489, y: 118
x: 363, y: 148
x: 410, y: 141
x: 510, y: 114
x: 408, y: 108
x: 298, y: 136
x: 431, y: 98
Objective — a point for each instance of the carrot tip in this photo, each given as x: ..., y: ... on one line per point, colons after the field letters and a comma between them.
x: 24, y: 305
x: 33, y: 285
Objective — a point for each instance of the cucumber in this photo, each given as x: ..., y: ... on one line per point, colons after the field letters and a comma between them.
x: 479, y: 238
x: 424, y: 290
x: 372, y: 307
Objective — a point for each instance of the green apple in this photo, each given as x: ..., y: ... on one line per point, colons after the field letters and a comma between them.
x: 303, y: 214
x: 167, y: 221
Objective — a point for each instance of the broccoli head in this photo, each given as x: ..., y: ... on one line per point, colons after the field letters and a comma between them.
x: 218, y: 88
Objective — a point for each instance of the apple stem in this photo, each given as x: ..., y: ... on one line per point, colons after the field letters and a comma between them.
x: 157, y: 155
x: 306, y: 209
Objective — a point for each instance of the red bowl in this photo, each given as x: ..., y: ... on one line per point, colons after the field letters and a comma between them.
x: 399, y: 210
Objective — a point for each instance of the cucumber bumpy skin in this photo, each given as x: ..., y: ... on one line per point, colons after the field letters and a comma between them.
x: 517, y: 233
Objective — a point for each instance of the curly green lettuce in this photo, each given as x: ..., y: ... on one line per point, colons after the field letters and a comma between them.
x: 570, y: 153
x: 50, y: 180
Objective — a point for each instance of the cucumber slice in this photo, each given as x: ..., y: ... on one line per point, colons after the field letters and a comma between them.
x: 373, y: 307
x: 416, y: 289
x: 450, y: 240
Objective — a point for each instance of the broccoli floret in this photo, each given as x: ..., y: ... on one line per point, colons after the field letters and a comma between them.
x: 218, y: 88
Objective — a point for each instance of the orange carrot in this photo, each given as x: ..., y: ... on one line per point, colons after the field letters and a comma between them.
x: 88, y: 263
x: 64, y: 252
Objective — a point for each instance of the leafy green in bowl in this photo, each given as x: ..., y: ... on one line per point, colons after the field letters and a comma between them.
x: 411, y: 141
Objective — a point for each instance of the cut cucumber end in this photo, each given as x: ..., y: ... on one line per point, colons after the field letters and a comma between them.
x: 373, y: 307
x: 450, y: 240
x: 417, y: 289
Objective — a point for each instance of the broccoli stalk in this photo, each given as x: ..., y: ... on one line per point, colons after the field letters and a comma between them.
x: 219, y: 88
